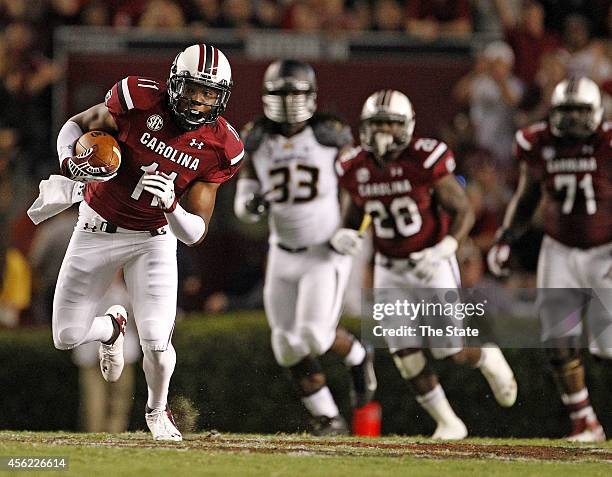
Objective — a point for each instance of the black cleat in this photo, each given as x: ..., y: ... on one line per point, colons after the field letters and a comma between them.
x: 329, y: 426
x: 364, y: 380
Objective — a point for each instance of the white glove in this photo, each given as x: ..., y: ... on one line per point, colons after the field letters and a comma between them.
x: 497, y: 259
x: 428, y: 259
x: 162, y: 187
x: 79, y: 169
x: 347, y: 242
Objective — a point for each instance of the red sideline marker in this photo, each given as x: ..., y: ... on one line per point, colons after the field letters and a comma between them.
x: 367, y: 420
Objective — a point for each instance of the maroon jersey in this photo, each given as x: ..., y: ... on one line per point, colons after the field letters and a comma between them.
x: 576, y: 183
x: 398, y: 194
x: 150, y: 141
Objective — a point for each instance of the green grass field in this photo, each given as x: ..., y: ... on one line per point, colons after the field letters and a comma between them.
x: 135, y: 454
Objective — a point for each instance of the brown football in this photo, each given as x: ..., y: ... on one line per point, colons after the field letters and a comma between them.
x: 107, y: 153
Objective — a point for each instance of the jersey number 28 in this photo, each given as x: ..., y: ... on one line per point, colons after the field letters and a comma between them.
x: 402, y: 217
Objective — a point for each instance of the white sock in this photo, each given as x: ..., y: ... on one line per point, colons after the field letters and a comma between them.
x: 586, y: 412
x: 436, y: 404
x: 483, y: 358
x: 579, y: 405
x: 158, y: 367
x: 356, y: 355
x: 321, y: 403
x: 101, y: 329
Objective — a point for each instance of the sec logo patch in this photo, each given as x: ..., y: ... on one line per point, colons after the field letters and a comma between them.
x: 155, y: 122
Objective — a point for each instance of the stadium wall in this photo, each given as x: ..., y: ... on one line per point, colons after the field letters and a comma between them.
x: 343, y: 86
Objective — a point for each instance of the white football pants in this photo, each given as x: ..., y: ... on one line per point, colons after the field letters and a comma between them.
x: 91, y: 262
x: 303, y: 300
x: 585, y: 277
x: 395, y: 279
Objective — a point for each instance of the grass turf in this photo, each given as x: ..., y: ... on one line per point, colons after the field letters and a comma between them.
x: 135, y: 454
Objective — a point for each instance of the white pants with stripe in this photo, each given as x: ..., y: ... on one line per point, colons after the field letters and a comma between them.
x: 396, y: 280
x: 584, y: 277
x: 303, y: 300
x: 91, y: 262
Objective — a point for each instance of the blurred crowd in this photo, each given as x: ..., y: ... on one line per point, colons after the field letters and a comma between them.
x: 538, y: 44
x: 423, y: 19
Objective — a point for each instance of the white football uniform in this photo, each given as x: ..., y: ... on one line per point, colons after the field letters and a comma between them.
x: 86, y: 355
x: 305, y: 278
x: 298, y: 179
x: 575, y: 285
x: 395, y: 279
x: 86, y: 274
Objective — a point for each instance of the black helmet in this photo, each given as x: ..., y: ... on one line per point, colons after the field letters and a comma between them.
x: 289, y: 92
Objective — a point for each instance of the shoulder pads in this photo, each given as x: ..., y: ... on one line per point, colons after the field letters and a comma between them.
x: 253, y: 133
x: 330, y: 130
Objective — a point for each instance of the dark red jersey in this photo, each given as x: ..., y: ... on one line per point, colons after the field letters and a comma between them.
x: 151, y: 141
x: 398, y: 194
x: 576, y: 178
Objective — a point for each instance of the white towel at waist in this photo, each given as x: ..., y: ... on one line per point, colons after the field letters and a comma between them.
x: 57, y: 193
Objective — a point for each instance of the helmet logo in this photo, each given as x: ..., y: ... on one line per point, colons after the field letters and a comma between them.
x: 155, y: 122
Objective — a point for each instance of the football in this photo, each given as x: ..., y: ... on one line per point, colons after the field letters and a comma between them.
x: 107, y: 153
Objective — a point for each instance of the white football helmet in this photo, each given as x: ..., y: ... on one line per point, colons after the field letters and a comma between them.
x: 576, y: 108
x: 203, y: 66
x: 387, y: 122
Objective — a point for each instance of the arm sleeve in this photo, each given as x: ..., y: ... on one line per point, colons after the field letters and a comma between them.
x: 66, y: 139
x: 188, y: 228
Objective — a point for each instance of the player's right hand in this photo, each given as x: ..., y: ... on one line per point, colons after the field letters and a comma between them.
x: 256, y: 204
x: 78, y: 168
x: 347, y: 242
x: 497, y: 259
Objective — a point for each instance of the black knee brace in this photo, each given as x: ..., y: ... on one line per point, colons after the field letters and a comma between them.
x: 308, y: 376
x: 564, y: 359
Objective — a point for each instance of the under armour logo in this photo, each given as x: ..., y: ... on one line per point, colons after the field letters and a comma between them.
x: 193, y: 143
x: 396, y: 171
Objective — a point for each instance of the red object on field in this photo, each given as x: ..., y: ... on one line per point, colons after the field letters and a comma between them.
x: 367, y: 420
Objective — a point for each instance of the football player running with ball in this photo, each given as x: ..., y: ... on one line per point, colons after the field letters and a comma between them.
x: 565, y: 167
x: 175, y: 145
x: 289, y: 175
x: 402, y: 181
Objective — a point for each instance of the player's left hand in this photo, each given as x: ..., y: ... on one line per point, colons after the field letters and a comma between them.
x: 162, y: 187
x: 428, y: 259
